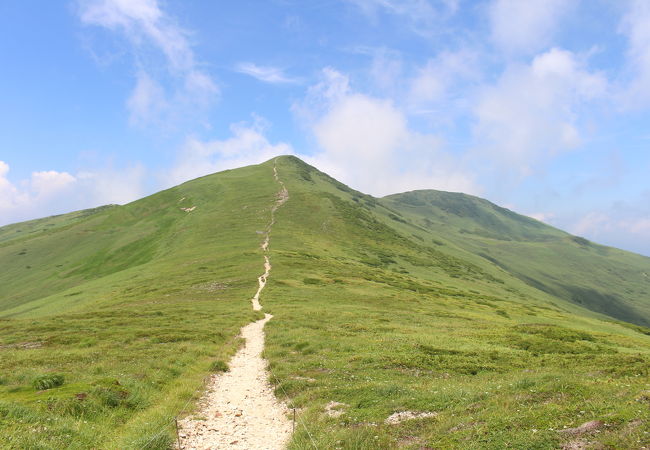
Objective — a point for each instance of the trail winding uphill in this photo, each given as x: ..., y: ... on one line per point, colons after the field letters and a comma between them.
x: 239, y: 409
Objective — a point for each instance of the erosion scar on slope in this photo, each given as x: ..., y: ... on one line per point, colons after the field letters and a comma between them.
x: 239, y: 409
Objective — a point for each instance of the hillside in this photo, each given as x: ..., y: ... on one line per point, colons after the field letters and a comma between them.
x: 602, y: 279
x: 503, y: 329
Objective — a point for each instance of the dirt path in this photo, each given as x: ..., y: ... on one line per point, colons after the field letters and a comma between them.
x: 281, y: 198
x: 262, y: 282
x: 239, y: 409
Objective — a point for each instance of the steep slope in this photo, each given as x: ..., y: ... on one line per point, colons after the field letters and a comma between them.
x: 378, y: 315
x: 602, y: 279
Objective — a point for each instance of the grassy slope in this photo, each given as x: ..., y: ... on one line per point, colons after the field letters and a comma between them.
x: 603, y: 279
x: 132, y: 305
x: 372, y: 309
x: 376, y: 318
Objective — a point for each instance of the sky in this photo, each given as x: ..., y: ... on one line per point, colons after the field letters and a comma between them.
x: 541, y: 106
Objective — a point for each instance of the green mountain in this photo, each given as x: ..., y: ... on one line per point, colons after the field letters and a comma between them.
x: 602, y: 279
x: 506, y: 330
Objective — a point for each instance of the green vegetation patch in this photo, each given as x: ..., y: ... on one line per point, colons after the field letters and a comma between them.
x: 49, y: 381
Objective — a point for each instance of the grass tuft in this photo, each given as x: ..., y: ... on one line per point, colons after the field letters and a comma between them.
x: 219, y: 366
x: 48, y: 381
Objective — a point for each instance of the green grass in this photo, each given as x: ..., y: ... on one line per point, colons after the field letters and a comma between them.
x: 427, y: 302
x: 133, y: 306
x: 372, y: 317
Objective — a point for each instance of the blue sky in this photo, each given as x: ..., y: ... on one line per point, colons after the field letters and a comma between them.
x: 541, y: 106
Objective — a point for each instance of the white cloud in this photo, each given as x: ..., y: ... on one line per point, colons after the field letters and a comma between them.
x: 111, y: 186
x: 588, y: 223
x: 146, y: 100
x: 267, y: 74
x: 422, y: 15
x: 367, y: 142
x: 247, y: 145
x: 386, y: 69
x: 51, y: 192
x: 436, y: 84
x: 628, y: 232
x: 48, y: 183
x: 621, y: 224
x: 148, y: 29
x: 542, y: 216
x: 430, y: 84
x: 532, y: 112
x: 362, y: 128
x: 331, y: 88
x: 636, y: 26
x: 143, y: 22
x: 600, y: 224
x: 10, y: 196
x: 526, y: 26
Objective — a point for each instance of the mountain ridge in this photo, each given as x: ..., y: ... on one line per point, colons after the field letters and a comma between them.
x: 380, y: 305
x: 469, y: 217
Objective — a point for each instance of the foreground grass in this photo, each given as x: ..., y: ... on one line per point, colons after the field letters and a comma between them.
x: 127, y: 370
x: 493, y: 382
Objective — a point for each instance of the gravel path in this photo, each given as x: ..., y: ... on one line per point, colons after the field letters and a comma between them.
x: 262, y: 282
x: 239, y: 409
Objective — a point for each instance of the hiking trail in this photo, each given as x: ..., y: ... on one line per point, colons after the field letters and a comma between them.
x: 239, y: 409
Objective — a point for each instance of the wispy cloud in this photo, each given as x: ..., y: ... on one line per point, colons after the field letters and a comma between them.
x: 421, y: 15
x: 531, y: 114
x: 266, y: 74
x: 525, y: 26
x: 634, y: 25
x: 368, y: 142
x: 622, y: 224
x: 150, y: 31
x: 247, y: 145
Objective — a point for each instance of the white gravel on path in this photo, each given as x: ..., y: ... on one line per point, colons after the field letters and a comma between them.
x: 239, y: 407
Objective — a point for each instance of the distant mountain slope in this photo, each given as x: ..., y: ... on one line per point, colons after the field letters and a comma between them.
x: 604, y: 279
x: 473, y: 215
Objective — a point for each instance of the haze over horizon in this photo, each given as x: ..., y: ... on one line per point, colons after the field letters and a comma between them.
x: 542, y: 108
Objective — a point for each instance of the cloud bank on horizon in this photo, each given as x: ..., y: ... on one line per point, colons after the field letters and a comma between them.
x: 542, y: 106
